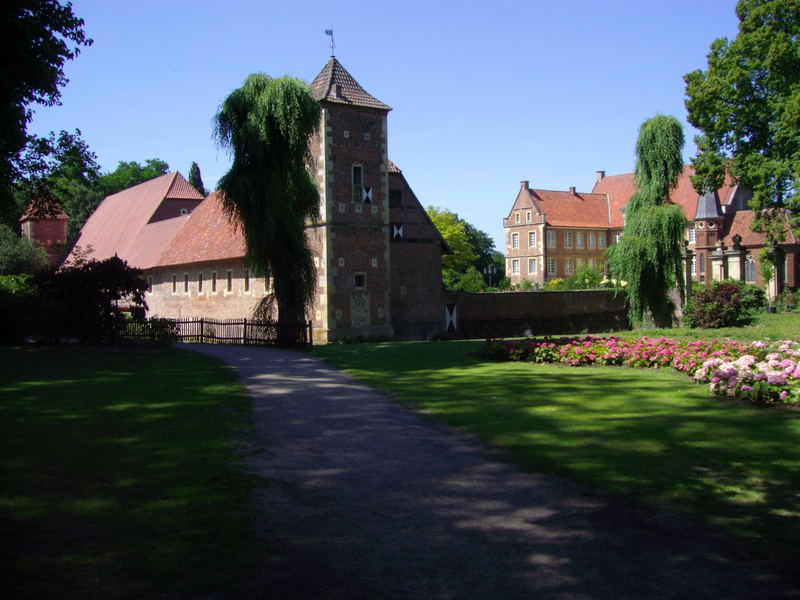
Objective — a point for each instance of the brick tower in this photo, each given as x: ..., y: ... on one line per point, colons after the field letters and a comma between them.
x: 351, y: 241
x: 708, y: 222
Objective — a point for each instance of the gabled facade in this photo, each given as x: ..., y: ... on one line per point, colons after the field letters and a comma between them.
x: 719, y: 241
x: 376, y: 254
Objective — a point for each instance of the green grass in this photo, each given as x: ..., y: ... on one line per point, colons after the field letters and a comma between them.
x: 119, y: 474
x: 764, y: 326
x: 651, y: 435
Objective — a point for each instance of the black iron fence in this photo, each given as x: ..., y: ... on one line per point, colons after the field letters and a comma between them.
x: 215, y: 331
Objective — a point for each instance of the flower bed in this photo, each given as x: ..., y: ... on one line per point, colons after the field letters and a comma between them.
x: 755, y: 371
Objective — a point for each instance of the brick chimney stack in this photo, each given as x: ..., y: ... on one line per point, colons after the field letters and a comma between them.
x: 524, y: 184
x: 600, y: 175
x: 572, y: 190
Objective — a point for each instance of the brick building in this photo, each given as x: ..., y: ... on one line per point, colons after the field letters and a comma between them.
x: 376, y: 253
x: 49, y: 233
x: 550, y: 233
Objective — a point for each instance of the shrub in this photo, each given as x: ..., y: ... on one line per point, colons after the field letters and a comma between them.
x: 723, y: 304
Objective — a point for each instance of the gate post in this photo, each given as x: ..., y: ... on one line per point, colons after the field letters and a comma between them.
x: 202, y: 329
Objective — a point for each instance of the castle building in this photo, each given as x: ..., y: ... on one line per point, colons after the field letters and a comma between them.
x: 549, y: 234
x: 377, y: 254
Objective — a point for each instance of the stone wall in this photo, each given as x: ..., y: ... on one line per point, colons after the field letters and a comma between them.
x: 512, y: 313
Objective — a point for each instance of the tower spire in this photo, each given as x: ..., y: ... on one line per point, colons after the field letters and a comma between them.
x: 329, y: 32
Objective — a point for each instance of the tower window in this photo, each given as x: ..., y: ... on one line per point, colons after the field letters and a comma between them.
x: 359, y: 280
x: 358, y: 183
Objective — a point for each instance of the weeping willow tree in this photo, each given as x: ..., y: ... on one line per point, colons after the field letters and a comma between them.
x: 268, y: 191
x: 649, y: 255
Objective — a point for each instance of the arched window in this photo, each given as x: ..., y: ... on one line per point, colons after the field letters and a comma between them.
x: 702, y: 263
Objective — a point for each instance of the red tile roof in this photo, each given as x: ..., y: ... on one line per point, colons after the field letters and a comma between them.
x: 393, y: 168
x: 335, y: 84
x: 147, y: 248
x: 206, y: 235
x: 567, y: 209
x: 741, y: 223
x: 620, y: 188
x: 117, y: 224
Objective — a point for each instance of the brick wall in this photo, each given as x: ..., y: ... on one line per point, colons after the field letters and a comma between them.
x: 511, y: 313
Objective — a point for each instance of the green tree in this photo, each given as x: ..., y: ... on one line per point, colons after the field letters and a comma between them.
x: 454, y: 231
x: 196, y: 179
x: 650, y: 254
x: 38, y: 37
x: 20, y: 255
x: 266, y: 124
x: 747, y: 107
x: 130, y: 173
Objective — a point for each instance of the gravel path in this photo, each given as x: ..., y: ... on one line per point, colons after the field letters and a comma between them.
x: 369, y: 500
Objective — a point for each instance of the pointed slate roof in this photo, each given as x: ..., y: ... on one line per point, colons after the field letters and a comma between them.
x: 708, y: 206
x: 335, y: 84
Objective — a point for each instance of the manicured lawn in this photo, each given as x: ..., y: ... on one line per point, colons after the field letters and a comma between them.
x: 651, y: 435
x: 119, y: 474
x: 765, y: 326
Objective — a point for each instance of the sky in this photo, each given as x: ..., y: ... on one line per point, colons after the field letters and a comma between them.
x: 484, y: 95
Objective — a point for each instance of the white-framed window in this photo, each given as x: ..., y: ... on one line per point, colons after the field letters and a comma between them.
x: 579, y: 262
x: 229, y: 280
x: 200, y: 282
x: 590, y: 242
x: 515, y: 266
x: 592, y: 263
x: 531, y: 266
x: 551, y: 239
x: 516, y: 218
x: 529, y: 217
x: 531, y: 239
x: 694, y: 265
x: 579, y: 242
x: 750, y: 269
x: 551, y: 266
x: 514, y: 241
x: 569, y: 269
x: 601, y: 239
x: 358, y: 183
x: 567, y: 239
x: 213, y: 282
x: 617, y: 238
x: 692, y: 235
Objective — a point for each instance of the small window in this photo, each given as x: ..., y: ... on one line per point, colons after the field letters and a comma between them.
x: 229, y: 280
x: 358, y: 183
x: 579, y: 239
x: 692, y: 233
x: 579, y: 262
x: 592, y: 263
x: 702, y: 263
x: 551, y: 239
x: 694, y: 265
x: 185, y: 283
x: 367, y: 136
x: 174, y: 283
x: 515, y: 266
x: 516, y: 218
x: 184, y: 211
x: 568, y: 266
x: 246, y: 279
x: 214, y: 282
x: 551, y: 266
x: 750, y: 269
x: 601, y: 240
x: 529, y: 217
x: 590, y: 240
x: 199, y: 283
x: 359, y: 280
x: 617, y: 237
x: 567, y: 239
x: 395, y: 198
x: 531, y: 266
x: 514, y: 241
x: 531, y: 239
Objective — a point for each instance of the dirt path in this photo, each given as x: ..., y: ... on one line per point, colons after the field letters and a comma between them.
x: 369, y: 500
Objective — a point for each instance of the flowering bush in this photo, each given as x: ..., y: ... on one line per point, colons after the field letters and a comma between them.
x: 754, y: 371
x: 724, y: 304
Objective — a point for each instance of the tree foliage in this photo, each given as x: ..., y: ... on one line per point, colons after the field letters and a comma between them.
x: 20, y: 255
x: 268, y: 191
x: 196, y: 179
x: 38, y: 37
x: 649, y: 255
x: 130, y: 173
x: 473, y: 251
x: 747, y: 106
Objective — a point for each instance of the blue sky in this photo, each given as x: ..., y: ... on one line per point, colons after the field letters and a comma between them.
x: 483, y: 95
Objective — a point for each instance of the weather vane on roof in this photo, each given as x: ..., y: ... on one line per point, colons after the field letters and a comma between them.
x: 333, y: 45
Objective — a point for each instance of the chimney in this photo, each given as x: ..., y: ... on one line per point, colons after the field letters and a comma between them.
x: 600, y: 176
x: 524, y: 184
x: 572, y: 190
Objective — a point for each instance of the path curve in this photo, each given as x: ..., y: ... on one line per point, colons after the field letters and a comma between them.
x: 369, y: 500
